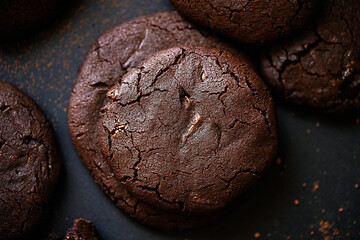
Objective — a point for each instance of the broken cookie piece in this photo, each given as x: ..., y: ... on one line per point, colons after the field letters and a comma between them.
x: 82, y: 230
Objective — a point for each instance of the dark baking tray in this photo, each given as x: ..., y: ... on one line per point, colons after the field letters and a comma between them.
x: 319, y: 164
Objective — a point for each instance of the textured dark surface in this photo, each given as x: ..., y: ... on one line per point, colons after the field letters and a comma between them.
x: 315, y: 149
x: 321, y: 67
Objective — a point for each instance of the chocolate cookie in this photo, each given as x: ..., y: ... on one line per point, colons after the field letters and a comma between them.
x: 82, y: 230
x: 248, y: 21
x: 321, y: 68
x: 29, y: 163
x: 18, y: 17
x: 107, y: 60
x: 183, y: 130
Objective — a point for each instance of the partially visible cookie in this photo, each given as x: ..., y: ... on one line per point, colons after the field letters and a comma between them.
x: 29, y: 163
x: 183, y: 130
x: 18, y: 17
x: 82, y: 230
x: 248, y: 21
x: 321, y: 68
x: 108, y: 59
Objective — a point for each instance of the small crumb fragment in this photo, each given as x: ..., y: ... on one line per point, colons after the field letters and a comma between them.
x: 317, y: 124
x: 296, y: 202
x: 308, y: 131
x: 341, y: 210
x: 323, y: 211
x: 304, y: 184
x: 312, y: 233
x: 315, y: 186
x: 278, y: 161
x: 257, y: 235
x: 356, y: 186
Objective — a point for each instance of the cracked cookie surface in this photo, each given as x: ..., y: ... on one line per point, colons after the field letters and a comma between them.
x: 108, y: 59
x: 321, y: 68
x: 183, y: 130
x: 29, y: 165
x: 248, y: 21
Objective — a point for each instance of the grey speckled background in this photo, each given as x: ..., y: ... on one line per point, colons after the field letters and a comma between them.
x: 315, y: 150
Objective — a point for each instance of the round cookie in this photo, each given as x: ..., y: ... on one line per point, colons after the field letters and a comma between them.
x: 321, y: 68
x: 19, y: 17
x: 29, y: 164
x: 183, y: 130
x: 108, y: 59
x: 82, y: 230
x: 248, y: 21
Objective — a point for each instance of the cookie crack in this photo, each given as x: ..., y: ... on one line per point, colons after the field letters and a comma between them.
x: 265, y: 116
x: 229, y: 181
x: 158, y: 195
x: 177, y: 60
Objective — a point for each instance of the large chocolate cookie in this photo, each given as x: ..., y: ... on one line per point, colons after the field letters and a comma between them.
x: 82, y: 230
x: 321, y: 68
x: 29, y: 164
x: 248, y: 21
x: 183, y: 130
x: 107, y: 60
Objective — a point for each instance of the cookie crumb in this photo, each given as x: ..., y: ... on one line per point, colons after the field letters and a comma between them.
x: 312, y: 233
x: 257, y: 235
x: 316, y: 186
x: 341, y: 210
x: 304, y: 184
x: 317, y: 124
x: 323, y: 211
x: 308, y: 131
x: 278, y: 161
x: 356, y: 186
x: 296, y: 202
